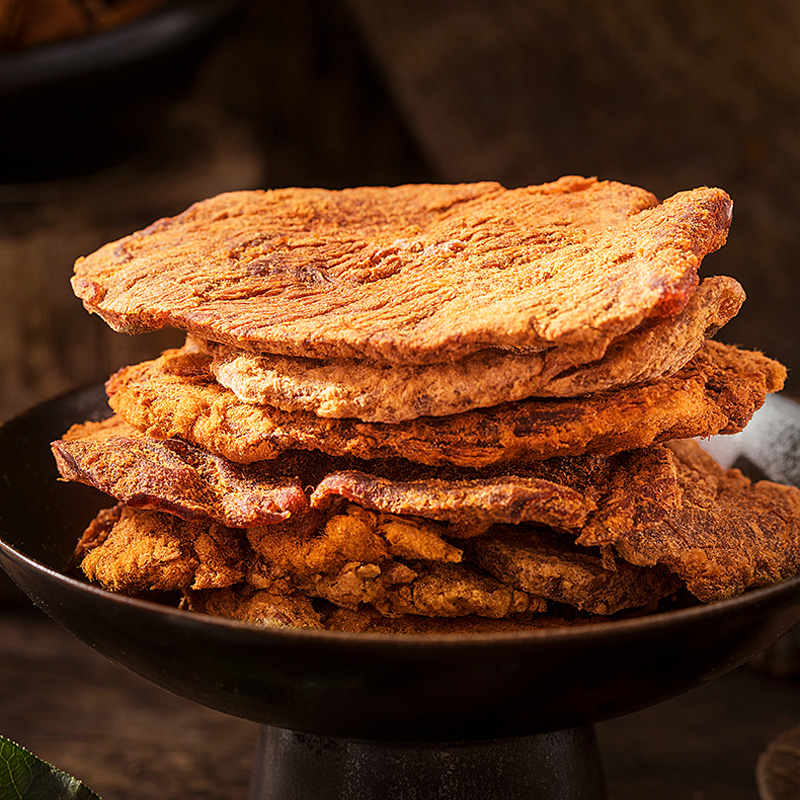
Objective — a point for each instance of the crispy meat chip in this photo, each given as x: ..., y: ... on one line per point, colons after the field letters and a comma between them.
x: 375, y: 392
x: 587, y: 495
x: 728, y: 535
x: 547, y: 565
x: 716, y: 392
x: 139, y: 551
x: 174, y: 476
x: 410, y: 274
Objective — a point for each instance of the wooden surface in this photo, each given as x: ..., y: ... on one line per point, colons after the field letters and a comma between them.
x: 129, y: 740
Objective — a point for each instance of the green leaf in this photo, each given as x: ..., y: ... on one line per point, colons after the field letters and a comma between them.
x: 23, y: 776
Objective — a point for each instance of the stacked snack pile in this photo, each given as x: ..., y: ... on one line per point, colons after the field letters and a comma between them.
x: 436, y: 408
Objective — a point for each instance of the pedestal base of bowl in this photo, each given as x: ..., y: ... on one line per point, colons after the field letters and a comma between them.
x: 300, y: 766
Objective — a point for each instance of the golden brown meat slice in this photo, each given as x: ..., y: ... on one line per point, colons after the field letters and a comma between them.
x: 132, y: 551
x: 470, y: 505
x: 376, y: 392
x: 410, y: 274
x: 728, y: 535
x: 547, y: 565
x: 586, y: 495
x: 716, y: 392
x: 174, y: 476
x: 372, y: 391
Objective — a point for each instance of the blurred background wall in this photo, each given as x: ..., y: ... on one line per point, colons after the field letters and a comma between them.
x: 666, y: 94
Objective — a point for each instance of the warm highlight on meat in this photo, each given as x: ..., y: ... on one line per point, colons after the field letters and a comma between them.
x: 410, y: 274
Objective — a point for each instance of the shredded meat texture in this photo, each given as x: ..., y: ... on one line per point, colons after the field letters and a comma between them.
x: 728, y: 534
x: 174, y: 476
x: 395, y: 565
x: 142, y: 551
x: 376, y: 392
x: 261, y: 607
x: 410, y: 274
x: 257, y: 607
x: 716, y: 392
x: 547, y: 565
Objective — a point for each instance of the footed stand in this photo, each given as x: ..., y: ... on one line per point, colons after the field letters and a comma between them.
x: 300, y: 766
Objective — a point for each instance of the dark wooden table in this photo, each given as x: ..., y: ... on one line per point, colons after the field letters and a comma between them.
x: 129, y: 739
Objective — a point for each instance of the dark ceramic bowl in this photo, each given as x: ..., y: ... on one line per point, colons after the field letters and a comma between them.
x: 381, y: 688
x: 82, y: 104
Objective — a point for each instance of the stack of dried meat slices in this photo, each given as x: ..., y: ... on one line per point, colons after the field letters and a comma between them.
x: 435, y: 408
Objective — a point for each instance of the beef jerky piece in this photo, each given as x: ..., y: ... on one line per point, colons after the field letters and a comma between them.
x: 717, y: 392
x: 547, y: 565
x: 587, y: 495
x: 640, y: 488
x: 410, y: 274
x: 150, y: 551
x: 470, y: 506
x: 728, y: 535
x: 256, y: 607
x: 174, y: 476
x: 375, y: 392
x: 354, y: 561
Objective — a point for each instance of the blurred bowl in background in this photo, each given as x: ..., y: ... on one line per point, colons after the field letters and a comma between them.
x: 79, y: 105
